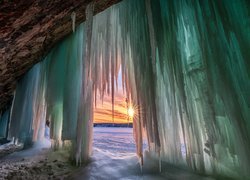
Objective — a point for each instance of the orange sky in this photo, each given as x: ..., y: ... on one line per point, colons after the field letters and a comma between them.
x: 103, y: 111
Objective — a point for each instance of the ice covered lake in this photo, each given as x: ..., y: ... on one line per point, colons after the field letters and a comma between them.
x: 114, y: 140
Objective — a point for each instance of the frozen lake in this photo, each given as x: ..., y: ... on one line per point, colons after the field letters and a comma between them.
x: 114, y: 140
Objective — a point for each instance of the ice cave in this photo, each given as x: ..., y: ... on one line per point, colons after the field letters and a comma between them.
x: 180, y: 69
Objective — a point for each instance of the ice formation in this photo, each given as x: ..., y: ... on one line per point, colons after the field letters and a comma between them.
x: 185, y: 65
x: 4, y: 120
x: 73, y: 18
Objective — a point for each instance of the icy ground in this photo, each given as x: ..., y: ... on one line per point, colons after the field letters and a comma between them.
x: 114, y: 159
x: 9, y: 148
x: 38, y: 162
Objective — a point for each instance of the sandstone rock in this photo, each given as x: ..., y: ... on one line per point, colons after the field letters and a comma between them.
x: 29, y: 29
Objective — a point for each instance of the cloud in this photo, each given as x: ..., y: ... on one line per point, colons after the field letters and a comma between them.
x: 103, y: 109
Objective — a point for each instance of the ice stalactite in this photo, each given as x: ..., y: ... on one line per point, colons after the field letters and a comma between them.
x: 153, y: 62
x: 185, y: 66
x: 51, y: 91
x: 25, y: 106
x: 201, y: 61
x: 73, y: 18
x: 85, y: 111
x: 4, y: 120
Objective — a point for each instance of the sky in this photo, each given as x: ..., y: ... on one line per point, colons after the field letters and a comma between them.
x: 103, y: 110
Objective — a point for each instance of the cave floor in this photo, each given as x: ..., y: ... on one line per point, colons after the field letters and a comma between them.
x: 113, y: 158
x: 37, y: 162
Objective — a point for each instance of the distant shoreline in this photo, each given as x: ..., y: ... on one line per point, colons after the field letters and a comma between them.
x: 129, y: 125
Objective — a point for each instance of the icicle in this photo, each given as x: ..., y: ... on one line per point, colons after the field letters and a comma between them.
x: 159, y: 156
x: 151, y: 33
x: 16, y: 141
x: 153, y: 56
x: 82, y: 138
x: 141, y: 164
x: 4, y: 123
x: 73, y: 18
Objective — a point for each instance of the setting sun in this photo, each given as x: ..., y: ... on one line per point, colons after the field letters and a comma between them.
x: 131, y: 112
x: 103, y: 109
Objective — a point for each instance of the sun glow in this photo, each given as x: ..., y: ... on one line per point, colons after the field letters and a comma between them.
x: 131, y: 112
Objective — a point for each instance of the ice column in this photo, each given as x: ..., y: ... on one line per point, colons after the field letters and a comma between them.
x: 4, y: 120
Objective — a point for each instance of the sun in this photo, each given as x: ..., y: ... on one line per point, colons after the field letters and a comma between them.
x: 131, y: 112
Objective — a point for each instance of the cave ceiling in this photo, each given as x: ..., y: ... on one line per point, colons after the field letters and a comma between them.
x: 29, y: 29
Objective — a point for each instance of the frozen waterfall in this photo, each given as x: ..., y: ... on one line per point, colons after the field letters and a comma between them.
x: 184, y: 63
